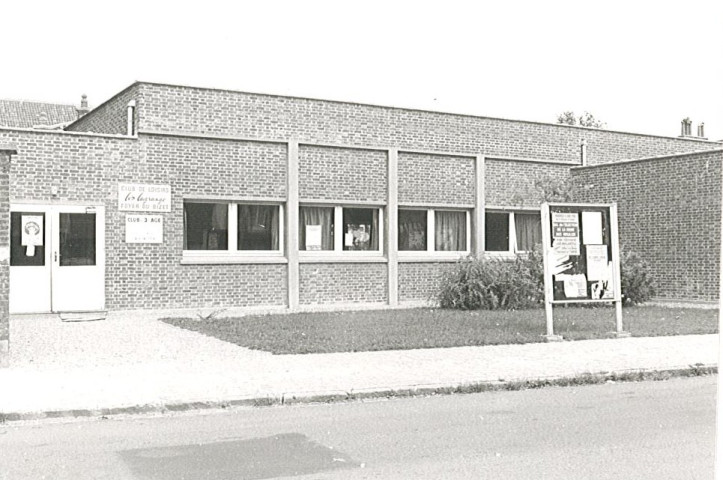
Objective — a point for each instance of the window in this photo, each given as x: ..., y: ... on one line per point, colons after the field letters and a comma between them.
x: 433, y: 231
x: 412, y: 230
x: 512, y: 231
x: 316, y: 225
x: 361, y: 226
x: 340, y: 229
x: 258, y: 227
x: 231, y: 228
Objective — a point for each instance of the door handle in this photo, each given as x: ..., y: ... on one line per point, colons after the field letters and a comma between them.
x: 55, y: 256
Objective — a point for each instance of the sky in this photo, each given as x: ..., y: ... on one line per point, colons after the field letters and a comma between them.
x: 638, y: 65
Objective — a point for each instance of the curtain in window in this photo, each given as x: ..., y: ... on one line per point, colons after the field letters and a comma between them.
x: 528, y: 228
x: 413, y: 230
x: 258, y: 227
x: 450, y: 231
x: 321, y: 221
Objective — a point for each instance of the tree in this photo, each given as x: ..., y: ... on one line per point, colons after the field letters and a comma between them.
x: 585, y: 120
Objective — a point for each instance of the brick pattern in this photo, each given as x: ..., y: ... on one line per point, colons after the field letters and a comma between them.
x: 436, y: 179
x: 420, y: 281
x: 265, y: 116
x: 5, y: 160
x: 512, y: 184
x: 327, y: 283
x: 670, y: 213
x: 213, y: 167
x: 342, y: 174
x: 111, y: 117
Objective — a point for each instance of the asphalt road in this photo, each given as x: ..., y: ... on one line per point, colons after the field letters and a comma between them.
x: 655, y: 430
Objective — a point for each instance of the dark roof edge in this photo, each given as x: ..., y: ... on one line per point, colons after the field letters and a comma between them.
x: 137, y: 82
x: 106, y: 102
x: 646, y: 159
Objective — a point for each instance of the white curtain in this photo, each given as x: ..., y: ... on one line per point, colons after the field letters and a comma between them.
x: 450, y: 231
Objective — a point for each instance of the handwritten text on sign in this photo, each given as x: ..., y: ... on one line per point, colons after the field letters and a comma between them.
x: 144, y: 197
x: 144, y: 229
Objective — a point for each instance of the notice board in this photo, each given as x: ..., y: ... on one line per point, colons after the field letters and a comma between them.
x: 581, y: 255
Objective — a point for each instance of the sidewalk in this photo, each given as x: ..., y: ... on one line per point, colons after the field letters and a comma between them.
x: 136, y: 363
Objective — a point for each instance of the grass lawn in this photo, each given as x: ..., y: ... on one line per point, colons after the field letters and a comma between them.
x: 434, y: 328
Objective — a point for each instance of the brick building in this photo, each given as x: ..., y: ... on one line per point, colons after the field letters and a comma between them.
x: 170, y: 196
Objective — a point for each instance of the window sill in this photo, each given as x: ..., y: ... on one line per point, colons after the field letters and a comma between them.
x: 230, y: 258
x: 432, y: 257
x: 350, y: 257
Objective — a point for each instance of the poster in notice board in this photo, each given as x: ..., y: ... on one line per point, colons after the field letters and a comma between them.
x: 580, y: 252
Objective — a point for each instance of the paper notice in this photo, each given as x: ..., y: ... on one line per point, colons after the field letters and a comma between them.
x: 597, y: 262
x: 592, y: 228
x: 313, y: 237
x: 32, y: 230
x: 575, y: 286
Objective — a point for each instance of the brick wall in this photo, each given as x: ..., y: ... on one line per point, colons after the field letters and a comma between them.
x: 222, y: 112
x: 420, y: 281
x: 512, y: 184
x: 342, y: 174
x: 111, y: 117
x: 328, y: 283
x: 5, y: 159
x: 436, y: 179
x: 670, y: 213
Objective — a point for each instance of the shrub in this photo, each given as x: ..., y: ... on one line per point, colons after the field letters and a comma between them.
x: 636, y: 283
x: 502, y: 284
x: 493, y: 284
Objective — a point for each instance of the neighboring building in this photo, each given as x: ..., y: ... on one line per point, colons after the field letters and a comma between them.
x: 269, y: 201
x: 23, y: 114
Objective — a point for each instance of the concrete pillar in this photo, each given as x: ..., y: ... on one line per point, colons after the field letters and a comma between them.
x: 478, y: 225
x: 391, y: 227
x: 5, y: 154
x: 292, y: 224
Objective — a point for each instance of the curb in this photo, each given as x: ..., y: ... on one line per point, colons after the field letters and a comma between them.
x: 632, y: 375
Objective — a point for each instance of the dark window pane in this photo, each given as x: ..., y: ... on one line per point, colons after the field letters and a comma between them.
x: 450, y: 231
x: 316, y: 228
x: 26, y: 255
x: 77, y: 239
x: 258, y: 227
x: 497, y: 232
x: 413, y: 230
x: 205, y: 226
x: 361, y: 229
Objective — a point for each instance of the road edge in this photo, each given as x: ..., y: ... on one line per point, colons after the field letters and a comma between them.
x: 632, y: 375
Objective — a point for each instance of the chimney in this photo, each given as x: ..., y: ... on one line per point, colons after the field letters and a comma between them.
x: 701, y: 130
x: 686, y: 127
x: 83, y: 105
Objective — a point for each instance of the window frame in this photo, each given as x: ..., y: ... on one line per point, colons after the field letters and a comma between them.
x: 338, y: 253
x: 432, y: 253
x: 512, y: 248
x: 232, y: 254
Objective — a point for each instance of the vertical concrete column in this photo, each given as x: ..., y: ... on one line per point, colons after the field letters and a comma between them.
x: 5, y: 155
x: 292, y: 223
x: 478, y: 226
x: 391, y: 226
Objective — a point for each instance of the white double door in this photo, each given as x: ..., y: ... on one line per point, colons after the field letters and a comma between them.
x: 57, y: 258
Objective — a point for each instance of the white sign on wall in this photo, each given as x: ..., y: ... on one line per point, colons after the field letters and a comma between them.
x: 141, y: 197
x: 144, y: 229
